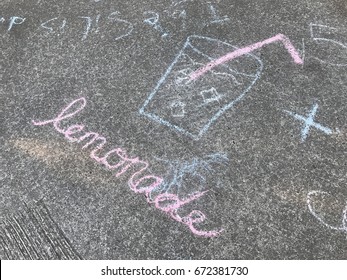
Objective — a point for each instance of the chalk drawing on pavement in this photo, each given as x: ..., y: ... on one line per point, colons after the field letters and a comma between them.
x: 309, y: 122
x: 312, y: 198
x: 234, y: 79
x: 186, y: 177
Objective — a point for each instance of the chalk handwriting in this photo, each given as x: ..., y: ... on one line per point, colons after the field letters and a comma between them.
x: 178, y: 10
x: 115, y: 16
x: 227, y: 83
x: 88, y: 26
x: 177, y: 2
x: 15, y: 21
x: 46, y: 25
x: 138, y: 181
x: 97, y: 23
x: 181, y: 15
x: 91, y: 24
x: 309, y: 122
x: 215, y: 17
x: 153, y: 21
x: 310, y: 198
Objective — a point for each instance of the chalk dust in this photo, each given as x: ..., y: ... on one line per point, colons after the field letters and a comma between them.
x: 64, y: 158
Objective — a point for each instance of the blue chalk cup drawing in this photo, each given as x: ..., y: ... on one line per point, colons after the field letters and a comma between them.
x: 190, y: 106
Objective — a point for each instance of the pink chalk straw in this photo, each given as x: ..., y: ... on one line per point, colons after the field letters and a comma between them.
x: 240, y: 52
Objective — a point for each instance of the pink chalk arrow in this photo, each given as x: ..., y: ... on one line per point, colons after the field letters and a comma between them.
x: 240, y: 52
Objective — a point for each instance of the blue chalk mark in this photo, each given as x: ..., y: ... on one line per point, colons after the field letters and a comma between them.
x: 183, y: 16
x: 309, y: 122
x: 13, y: 21
x: 216, y: 18
x: 180, y: 14
x: 62, y: 27
x: 179, y: 3
x: 97, y: 23
x: 2, y: 20
x: 88, y: 26
x: 197, y: 168
x: 154, y: 22
x: 217, y: 115
x: 303, y: 52
x: 220, y: 20
x: 43, y: 25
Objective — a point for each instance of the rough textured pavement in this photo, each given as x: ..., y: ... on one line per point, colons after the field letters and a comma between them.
x: 248, y: 161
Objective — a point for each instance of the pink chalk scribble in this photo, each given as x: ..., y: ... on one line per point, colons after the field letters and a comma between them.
x: 166, y: 202
x: 240, y: 52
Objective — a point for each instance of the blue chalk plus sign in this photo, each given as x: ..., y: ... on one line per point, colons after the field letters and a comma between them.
x: 308, y: 122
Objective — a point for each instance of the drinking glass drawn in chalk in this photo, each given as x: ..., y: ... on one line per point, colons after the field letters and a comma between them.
x: 191, y: 105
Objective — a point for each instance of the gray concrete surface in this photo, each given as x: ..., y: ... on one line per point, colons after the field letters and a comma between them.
x: 273, y: 164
